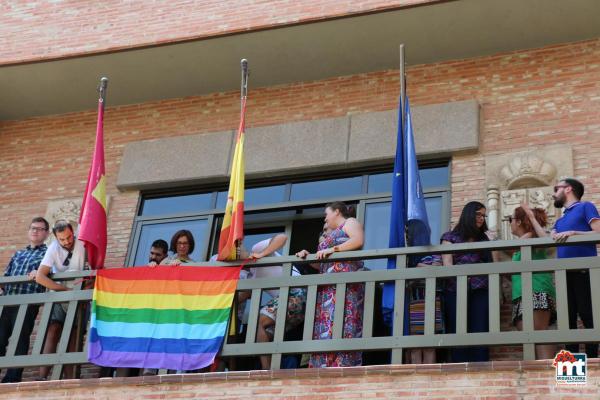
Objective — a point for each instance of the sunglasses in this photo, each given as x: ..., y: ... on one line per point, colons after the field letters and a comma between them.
x: 68, y: 259
x: 558, y: 187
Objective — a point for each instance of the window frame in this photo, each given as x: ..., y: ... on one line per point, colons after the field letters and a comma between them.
x: 255, y: 213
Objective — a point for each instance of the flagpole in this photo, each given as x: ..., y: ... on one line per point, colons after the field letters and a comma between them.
x: 403, y: 120
x: 244, y: 88
x: 402, y: 86
x: 102, y: 89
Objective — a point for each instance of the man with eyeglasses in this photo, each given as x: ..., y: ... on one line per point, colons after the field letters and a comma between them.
x: 579, y: 218
x: 66, y: 253
x: 23, y: 263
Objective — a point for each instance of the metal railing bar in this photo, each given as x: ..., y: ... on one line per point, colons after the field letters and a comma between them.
x: 16, y: 333
x: 253, y: 317
x: 494, y: 302
x: 430, y: 306
x: 42, y: 327
x: 369, y: 307
x: 562, y: 306
x: 398, y: 321
x: 338, y: 314
x: 595, y: 284
x: 461, y: 304
x: 309, y: 316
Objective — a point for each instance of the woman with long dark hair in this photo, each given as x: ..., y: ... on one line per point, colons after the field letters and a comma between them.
x: 471, y: 227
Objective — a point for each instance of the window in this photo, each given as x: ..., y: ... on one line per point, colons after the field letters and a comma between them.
x: 295, y: 204
x: 177, y: 204
x: 149, y: 232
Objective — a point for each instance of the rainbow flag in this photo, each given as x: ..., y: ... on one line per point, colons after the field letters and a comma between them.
x: 162, y: 317
x: 232, y: 230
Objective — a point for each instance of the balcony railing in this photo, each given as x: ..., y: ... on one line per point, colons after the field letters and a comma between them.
x: 396, y: 342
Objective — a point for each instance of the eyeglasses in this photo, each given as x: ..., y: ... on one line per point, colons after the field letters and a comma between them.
x: 68, y: 259
x: 36, y: 229
x: 509, y: 219
x: 558, y: 187
x: 480, y: 215
x: 183, y: 243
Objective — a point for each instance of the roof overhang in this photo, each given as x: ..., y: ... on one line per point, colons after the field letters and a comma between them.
x: 345, y: 46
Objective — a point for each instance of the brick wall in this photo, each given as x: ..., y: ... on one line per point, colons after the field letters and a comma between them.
x: 490, y: 381
x: 39, y: 30
x: 529, y: 99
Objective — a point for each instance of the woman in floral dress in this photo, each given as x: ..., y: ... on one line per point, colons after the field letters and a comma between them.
x: 346, y: 234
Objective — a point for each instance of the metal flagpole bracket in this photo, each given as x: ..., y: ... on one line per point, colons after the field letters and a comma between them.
x: 102, y: 88
x: 245, y: 73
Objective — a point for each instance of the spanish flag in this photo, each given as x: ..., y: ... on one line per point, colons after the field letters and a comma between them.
x: 92, y: 220
x: 232, y: 231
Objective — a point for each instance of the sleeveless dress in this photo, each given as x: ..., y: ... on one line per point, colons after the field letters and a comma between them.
x: 325, y: 308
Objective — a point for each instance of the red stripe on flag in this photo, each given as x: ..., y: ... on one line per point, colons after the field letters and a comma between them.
x: 180, y: 273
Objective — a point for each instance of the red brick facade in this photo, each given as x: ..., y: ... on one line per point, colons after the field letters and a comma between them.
x: 34, y: 31
x: 502, y: 380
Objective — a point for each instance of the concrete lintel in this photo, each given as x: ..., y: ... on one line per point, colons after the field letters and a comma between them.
x: 299, y: 147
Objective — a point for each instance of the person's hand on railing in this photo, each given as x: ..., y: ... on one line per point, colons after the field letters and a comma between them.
x: 152, y: 264
x: 257, y: 256
x: 322, y: 254
x: 175, y: 262
x: 302, y: 253
x: 562, y: 236
x: 32, y: 275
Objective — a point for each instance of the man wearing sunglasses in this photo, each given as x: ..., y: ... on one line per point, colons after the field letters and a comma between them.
x: 579, y: 218
x: 66, y: 253
x: 22, y: 263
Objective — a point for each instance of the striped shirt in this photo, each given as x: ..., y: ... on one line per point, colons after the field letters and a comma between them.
x: 22, y: 263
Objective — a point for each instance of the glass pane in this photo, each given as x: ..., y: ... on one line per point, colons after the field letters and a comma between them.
x: 380, y: 183
x: 152, y: 232
x: 377, y: 231
x: 264, y: 195
x: 377, y: 226
x: 330, y: 188
x: 256, y: 196
x: 435, y: 177
x: 221, y: 200
x: 177, y: 204
x: 430, y: 178
x: 435, y: 207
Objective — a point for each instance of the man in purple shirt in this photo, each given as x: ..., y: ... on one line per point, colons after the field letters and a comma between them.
x: 579, y: 218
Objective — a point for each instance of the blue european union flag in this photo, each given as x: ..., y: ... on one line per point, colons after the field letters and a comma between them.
x: 408, y: 220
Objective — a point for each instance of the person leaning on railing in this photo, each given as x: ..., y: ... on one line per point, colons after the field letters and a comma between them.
x: 268, y: 312
x: 471, y: 227
x: 579, y: 218
x: 23, y: 262
x: 526, y: 223
x: 65, y: 254
x: 346, y: 235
